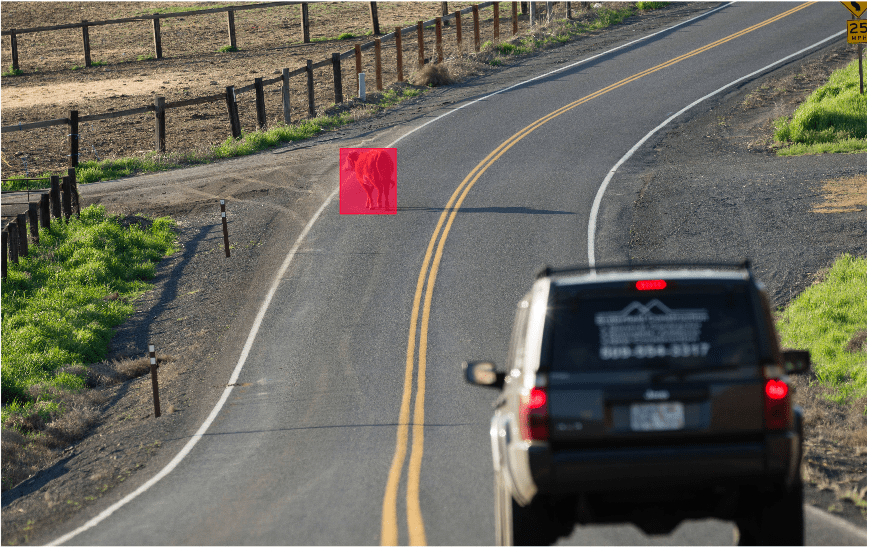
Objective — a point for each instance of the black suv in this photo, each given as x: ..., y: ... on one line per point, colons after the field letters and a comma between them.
x: 648, y: 396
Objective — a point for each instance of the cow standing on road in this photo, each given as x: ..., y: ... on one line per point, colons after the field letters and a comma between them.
x: 374, y: 169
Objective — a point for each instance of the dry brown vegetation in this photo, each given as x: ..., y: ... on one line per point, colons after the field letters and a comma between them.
x: 32, y: 439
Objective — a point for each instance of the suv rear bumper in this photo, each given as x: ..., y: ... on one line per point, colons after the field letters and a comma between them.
x: 696, y: 466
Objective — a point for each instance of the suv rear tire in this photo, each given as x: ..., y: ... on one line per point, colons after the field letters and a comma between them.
x: 779, y: 519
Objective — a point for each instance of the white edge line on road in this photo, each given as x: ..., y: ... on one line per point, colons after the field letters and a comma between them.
x: 841, y: 523
x: 278, y: 278
x: 592, y: 219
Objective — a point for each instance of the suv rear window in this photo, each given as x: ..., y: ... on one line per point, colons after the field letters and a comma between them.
x: 593, y: 330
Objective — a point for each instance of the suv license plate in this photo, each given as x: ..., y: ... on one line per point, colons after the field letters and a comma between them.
x: 657, y: 416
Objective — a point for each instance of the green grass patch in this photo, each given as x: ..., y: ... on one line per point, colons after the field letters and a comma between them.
x: 651, y: 5
x: 824, y: 318
x: 13, y: 71
x: 145, y: 57
x: 59, y: 305
x: 832, y: 118
x: 227, y: 49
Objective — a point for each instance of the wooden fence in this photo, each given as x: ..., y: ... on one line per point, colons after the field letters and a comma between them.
x: 231, y: 93
x: 155, y: 23
x: 60, y: 201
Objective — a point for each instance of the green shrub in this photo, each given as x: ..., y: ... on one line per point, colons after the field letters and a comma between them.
x: 61, y: 303
x: 824, y: 318
x: 833, y: 113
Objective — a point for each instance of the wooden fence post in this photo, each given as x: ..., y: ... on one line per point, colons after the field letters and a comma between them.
x: 459, y: 31
x: 445, y: 10
x: 76, y: 205
x: 54, y: 196
x: 357, y: 51
x: 336, y: 74
x: 398, y: 61
x: 160, y: 124
x: 515, y: 18
x: 13, y: 241
x: 532, y: 14
x: 44, y: 212
x: 85, y: 36
x: 438, y: 45
x: 476, y: 29
x: 420, y: 43
x: 66, y: 197
x: 234, y: 125
x: 306, y: 24
x: 378, y: 68
x: 21, y: 221
x: 14, y: 40
x: 158, y: 44
x: 260, y: 103
x: 496, y: 30
x: 5, y: 238
x: 375, y: 22
x: 285, y: 94
x: 230, y: 23
x: 33, y: 220
x: 567, y: 10
x: 73, y: 138
x: 309, y: 69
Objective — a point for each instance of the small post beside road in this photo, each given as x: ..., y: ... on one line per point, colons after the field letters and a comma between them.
x: 225, y: 229
x: 153, y: 356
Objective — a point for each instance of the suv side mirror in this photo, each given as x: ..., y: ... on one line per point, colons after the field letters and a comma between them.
x: 796, y: 361
x: 483, y: 373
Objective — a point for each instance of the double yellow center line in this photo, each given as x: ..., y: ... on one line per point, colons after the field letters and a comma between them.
x: 415, y: 525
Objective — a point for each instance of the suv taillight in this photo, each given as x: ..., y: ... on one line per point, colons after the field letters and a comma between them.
x: 776, y: 405
x: 534, y: 415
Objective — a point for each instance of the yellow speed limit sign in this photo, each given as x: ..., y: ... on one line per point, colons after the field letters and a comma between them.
x: 856, y: 31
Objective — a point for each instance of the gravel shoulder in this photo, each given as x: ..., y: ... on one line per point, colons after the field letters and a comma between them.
x: 202, y: 304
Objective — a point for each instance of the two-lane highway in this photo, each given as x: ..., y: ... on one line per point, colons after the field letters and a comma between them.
x: 347, y: 421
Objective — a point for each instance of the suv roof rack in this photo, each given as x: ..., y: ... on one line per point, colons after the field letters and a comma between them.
x: 547, y: 270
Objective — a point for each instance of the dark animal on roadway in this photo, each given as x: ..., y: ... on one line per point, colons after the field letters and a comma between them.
x: 373, y: 169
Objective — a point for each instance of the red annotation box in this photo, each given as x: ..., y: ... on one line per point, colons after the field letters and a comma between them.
x: 368, y: 181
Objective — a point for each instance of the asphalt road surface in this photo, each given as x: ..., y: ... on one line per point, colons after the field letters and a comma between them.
x: 347, y: 421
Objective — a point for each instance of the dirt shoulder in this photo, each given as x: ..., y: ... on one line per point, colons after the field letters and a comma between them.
x: 201, y: 301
